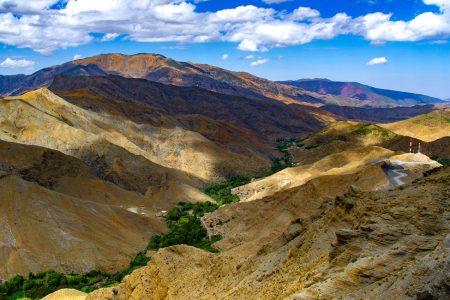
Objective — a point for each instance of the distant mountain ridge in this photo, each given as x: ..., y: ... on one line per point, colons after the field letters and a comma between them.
x: 357, y: 94
x: 159, y: 68
x: 155, y: 67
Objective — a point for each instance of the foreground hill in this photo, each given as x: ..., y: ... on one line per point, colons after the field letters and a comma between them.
x: 357, y: 94
x: 323, y: 239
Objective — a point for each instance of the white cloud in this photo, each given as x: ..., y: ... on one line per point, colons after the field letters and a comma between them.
x: 250, y: 56
x: 77, y: 56
x: 258, y: 62
x: 378, y: 27
x: 25, y: 6
x: 109, y: 37
x: 225, y: 56
x: 247, y: 45
x: 32, y: 24
x: 13, y: 64
x: 377, y: 61
x: 303, y: 13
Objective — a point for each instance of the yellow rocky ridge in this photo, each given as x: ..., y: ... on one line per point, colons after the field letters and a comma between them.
x: 428, y: 127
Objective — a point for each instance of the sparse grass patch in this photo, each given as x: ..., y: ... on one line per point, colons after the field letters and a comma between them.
x: 371, y: 129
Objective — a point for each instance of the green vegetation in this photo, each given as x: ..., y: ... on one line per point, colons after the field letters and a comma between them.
x: 442, y: 160
x: 281, y: 163
x: 286, y: 160
x: 372, y: 129
x: 41, y: 284
x: 185, y: 227
x: 221, y: 192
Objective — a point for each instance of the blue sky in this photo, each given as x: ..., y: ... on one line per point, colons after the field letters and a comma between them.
x: 406, y: 41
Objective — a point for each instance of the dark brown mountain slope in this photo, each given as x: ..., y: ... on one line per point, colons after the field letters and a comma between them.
x: 144, y: 101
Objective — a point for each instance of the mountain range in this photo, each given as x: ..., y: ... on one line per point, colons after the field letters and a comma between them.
x: 158, y: 68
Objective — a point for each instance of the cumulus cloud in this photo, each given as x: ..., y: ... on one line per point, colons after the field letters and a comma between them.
x: 38, y: 25
x: 258, y: 62
x: 109, y: 37
x: 16, y: 64
x: 303, y: 13
x: 377, y: 61
x: 225, y: 57
x: 77, y: 56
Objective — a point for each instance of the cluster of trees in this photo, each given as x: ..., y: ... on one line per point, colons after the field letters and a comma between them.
x: 221, y: 192
x: 41, y: 284
x: 286, y: 160
x: 185, y: 227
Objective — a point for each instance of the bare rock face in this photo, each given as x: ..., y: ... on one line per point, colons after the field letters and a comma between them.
x: 386, y: 244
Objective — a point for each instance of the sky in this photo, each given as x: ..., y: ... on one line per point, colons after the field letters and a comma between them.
x: 395, y: 44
